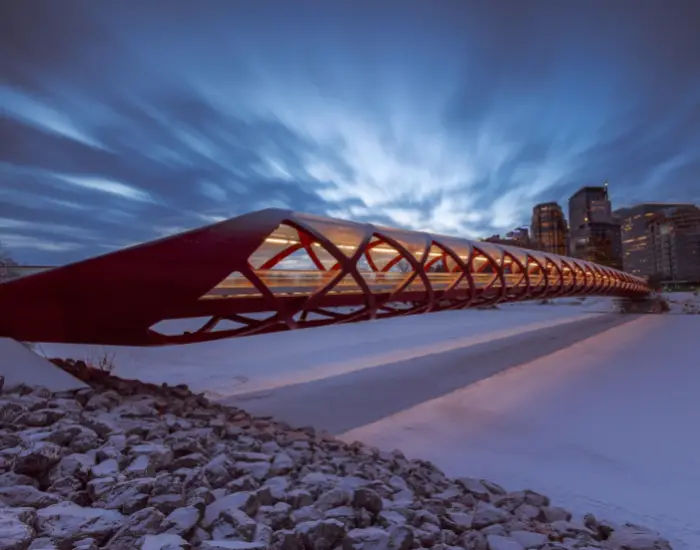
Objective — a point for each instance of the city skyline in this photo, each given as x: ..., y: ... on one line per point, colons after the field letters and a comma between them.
x: 119, y: 125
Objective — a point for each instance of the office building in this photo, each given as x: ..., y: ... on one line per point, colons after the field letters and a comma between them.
x: 549, y: 231
x: 675, y: 239
x: 637, y: 249
x: 593, y: 233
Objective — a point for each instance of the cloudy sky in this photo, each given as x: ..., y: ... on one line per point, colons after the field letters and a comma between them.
x: 124, y: 121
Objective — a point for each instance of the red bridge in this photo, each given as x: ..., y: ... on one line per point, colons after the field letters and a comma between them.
x: 278, y: 270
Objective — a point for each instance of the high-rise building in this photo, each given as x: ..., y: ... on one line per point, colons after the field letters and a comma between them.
x: 675, y: 239
x: 549, y: 231
x: 637, y: 249
x: 594, y: 234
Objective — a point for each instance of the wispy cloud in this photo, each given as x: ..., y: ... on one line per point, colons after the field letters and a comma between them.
x: 18, y: 241
x: 16, y: 104
x: 96, y: 183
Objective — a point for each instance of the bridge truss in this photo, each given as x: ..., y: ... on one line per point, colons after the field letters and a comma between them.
x: 277, y: 270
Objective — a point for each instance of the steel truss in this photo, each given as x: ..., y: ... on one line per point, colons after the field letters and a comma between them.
x: 277, y: 270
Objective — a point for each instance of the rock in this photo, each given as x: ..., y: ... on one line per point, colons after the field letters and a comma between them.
x: 26, y: 495
x: 38, y: 458
x: 127, y: 496
x: 42, y: 543
x: 160, y: 456
x: 250, y: 457
x: 457, y: 521
x: 367, y: 499
x: 182, y: 520
x: 41, y: 417
x: 554, y: 513
x: 529, y: 539
x: 276, y: 516
x: 67, y: 521
x: 400, y: 538
x: 164, y: 541
x: 322, y: 534
x: 104, y: 400
x: 244, y: 526
x: 493, y: 488
x: 77, y: 437
x: 474, y: 486
x: 15, y: 533
x: 258, y: 470
x: 142, y: 465
x: 147, y: 521
x: 242, y: 500
x: 108, y: 467
x: 232, y: 545
x: 167, y: 503
x: 87, y: 543
x: 634, y: 537
x: 74, y: 465
x: 370, y: 538
x: 298, y: 498
x: 333, y: 498
x: 527, y: 512
x: 228, y: 480
x: 473, y: 540
x: 497, y: 542
x: 10, y: 479
x: 305, y: 514
x: 486, y: 514
x: 218, y: 471
x: 281, y: 464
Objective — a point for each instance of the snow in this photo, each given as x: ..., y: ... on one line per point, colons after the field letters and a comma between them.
x: 19, y: 365
x: 607, y: 425
x: 233, y: 366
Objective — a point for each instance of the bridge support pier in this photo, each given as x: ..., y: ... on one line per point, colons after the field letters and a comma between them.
x: 654, y: 303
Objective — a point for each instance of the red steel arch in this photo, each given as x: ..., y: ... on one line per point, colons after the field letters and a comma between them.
x: 278, y: 270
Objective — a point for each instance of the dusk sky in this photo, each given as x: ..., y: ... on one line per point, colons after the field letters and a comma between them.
x: 121, y: 122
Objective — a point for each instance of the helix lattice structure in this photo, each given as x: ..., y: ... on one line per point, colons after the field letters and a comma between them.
x: 278, y: 270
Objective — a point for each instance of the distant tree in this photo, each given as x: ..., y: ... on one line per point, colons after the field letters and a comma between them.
x: 5, y: 262
x: 654, y: 281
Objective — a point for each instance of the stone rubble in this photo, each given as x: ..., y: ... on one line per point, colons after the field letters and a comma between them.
x: 125, y: 465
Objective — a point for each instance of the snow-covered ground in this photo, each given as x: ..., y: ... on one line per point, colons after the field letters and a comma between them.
x: 608, y: 425
x: 228, y: 367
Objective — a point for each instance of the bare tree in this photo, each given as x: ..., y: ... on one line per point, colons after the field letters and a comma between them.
x: 5, y: 263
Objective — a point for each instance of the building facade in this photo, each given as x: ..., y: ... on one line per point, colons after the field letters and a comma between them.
x: 594, y: 233
x: 549, y: 230
x: 638, y: 255
x: 675, y: 240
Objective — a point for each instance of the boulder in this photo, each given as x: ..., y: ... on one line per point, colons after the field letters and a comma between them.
x: 486, y: 514
x: 26, y: 495
x: 322, y: 534
x: 15, y: 535
x: 497, y: 542
x: 164, y: 541
x: 38, y: 458
x: 67, y: 521
x: 370, y: 538
x: 243, y: 500
x: 367, y: 499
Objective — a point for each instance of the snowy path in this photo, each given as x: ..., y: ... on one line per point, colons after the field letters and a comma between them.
x: 241, y: 365
x: 341, y: 402
x: 608, y: 425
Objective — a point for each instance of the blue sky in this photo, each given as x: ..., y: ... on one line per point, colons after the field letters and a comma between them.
x: 123, y: 122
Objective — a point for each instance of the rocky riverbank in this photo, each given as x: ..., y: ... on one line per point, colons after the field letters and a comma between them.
x: 125, y: 465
